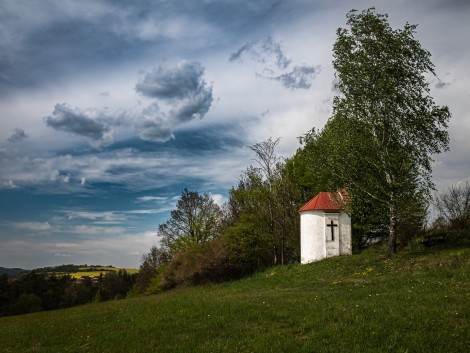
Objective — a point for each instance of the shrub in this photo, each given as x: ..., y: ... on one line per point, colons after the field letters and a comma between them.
x: 454, y: 206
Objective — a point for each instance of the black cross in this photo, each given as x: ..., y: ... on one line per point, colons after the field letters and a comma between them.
x: 332, y: 224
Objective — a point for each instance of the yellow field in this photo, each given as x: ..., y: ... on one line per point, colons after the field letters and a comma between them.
x: 96, y: 271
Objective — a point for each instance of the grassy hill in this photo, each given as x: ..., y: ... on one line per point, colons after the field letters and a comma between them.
x: 417, y: 301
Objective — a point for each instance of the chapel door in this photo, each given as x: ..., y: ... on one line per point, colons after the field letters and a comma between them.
x: 331, y: 234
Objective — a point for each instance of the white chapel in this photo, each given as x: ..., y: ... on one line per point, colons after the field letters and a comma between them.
x: 325, y: 227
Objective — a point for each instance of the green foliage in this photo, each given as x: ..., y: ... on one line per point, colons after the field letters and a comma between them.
x: 247, y: 246
x: 259, y: 228
x: 415, y: 301
x: 115, y: 285
x: 196, y: 219
x: 149, y: 266
x: 27, y: 303
x: 264, y: 205
x: 238, y: 252
x: 4, y: 291
x: 385, y: 126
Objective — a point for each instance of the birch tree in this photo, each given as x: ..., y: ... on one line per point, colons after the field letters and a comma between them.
x: 393, y: 125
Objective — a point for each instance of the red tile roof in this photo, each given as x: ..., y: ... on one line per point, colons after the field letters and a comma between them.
x: 325, y: 201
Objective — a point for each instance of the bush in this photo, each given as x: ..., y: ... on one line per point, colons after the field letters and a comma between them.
x: 454, y: 206
x: 27, y: 303
x: 237, y: 253
x: 202, y: 263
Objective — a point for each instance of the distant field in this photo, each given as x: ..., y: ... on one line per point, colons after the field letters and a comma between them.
x: 417, y: 301
x: 93, y: 271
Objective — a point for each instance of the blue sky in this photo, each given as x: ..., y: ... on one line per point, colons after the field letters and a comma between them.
x: 108, y: 109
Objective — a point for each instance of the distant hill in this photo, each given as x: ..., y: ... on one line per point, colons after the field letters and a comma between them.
x: 69, y: 268
x: 61, y: 268
x: 12, y: 271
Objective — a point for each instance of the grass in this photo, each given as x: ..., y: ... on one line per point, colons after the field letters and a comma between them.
x: 417, y: 301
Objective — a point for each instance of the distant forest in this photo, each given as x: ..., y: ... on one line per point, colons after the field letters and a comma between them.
x: 12, y: 271
x: 54, y: 288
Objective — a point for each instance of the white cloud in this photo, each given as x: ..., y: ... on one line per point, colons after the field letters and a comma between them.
x: 33, y: 226
x: 108, y: 216
x: 154, y: 211
x: 151, y: 198
x: 120, y: 250
x: 219, y: 199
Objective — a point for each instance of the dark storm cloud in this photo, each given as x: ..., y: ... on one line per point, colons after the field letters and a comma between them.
x: 270, y: 54
x: 18, y: 135
x: 181, y: 81
x: 52, y: 39
x: 271, y: 47
x: 79, y: 122
x: 183, y: 89
x: 194, y: 107
x: 238, y: 54
x: 299, y: 77
x: 265, y: 52
x: 154, y: 130
x: 40, y: 40
x: 442, y: 84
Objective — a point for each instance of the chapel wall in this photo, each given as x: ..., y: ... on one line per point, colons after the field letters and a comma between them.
x: 345, y: 245
x: 312, y: 236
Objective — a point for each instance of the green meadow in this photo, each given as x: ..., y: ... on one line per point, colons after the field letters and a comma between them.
x: 416, y: 301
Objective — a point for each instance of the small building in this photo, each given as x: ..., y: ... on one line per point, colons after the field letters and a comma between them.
x: 325, y: 227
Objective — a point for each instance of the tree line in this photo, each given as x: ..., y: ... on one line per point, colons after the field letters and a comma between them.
x: 378, y: 144
x: 40, y: 291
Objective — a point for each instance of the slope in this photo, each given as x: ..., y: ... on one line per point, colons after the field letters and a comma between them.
x: 417, y: 301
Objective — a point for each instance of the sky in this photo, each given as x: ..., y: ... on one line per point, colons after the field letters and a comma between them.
x: 110, y: 108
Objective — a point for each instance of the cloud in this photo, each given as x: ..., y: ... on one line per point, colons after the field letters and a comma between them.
x: 237, y: 56
x: 62, y: 255
x: 274, y: 62
x: 151, y: 198
x: 180, y: 81
x: 18, y: 135
x: 8, y: 184
x: 268, y: 52
x: 299, y: 77
x: 35, y: 226
x: 219, y: 199
x: 154, y: 125
x: 87, y: 123
x: 140, y: 212
x: 107, y: 217
x: 271, y: 47
x: 181, y: 94
x: 116, y: 247
x: 441, y: 84
x: 209, y: 155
